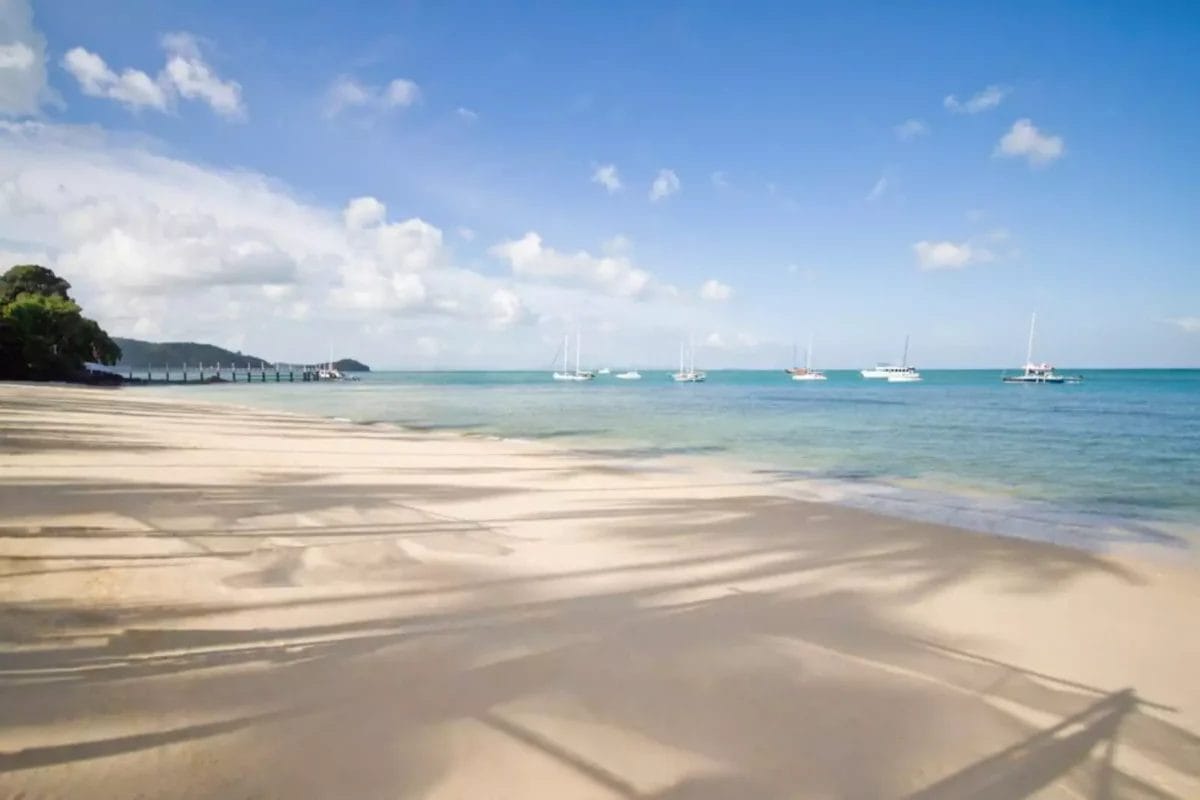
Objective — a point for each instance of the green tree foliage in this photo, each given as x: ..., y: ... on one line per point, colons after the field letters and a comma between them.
x: 43, y: 334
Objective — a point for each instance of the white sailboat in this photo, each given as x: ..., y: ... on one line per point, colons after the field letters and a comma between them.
x: 806, y: 373
x: 566, y: 374
x: 1038, y: 373
x: 688, y: 375
x: 905, y: 374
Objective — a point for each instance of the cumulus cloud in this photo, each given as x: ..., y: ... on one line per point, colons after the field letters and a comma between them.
x: 23, y: 88
x: 949, y: 255
x: 1024, y: 140
x: 666, y: 183
x: 190, y: 76
x: 132, y: 88
x: 985, y: 100
x: 715, y: 291
x: 466, y: 234
x: 152, y: 243
x: 185, y: 75
x: 530, y: 258
x: 466, y: 114
x: 606, y: 175
x: 348, y: 94
x: 911, y: 129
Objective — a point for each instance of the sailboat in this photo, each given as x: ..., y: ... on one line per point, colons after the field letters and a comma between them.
x: 1038, y: 373
x: 688, y: 375
x: 905, y: 374
x: 805, y: 373
x: 578, y: 374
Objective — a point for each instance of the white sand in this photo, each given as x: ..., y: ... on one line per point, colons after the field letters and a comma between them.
x: 212, y: 602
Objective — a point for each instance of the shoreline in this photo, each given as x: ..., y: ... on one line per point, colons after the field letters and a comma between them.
x: 264, y: 603
x: 968, y: 508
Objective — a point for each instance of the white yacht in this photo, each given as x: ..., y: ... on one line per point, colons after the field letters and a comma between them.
x: 566, y: 374
x: 631, y: 375
x: 892, y: 373
x: 805, y: 373
x: 604, y: 371
x: 1038, y: 373
x: 688, y: 374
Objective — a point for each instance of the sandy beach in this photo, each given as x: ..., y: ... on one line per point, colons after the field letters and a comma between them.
x: 207, y: 601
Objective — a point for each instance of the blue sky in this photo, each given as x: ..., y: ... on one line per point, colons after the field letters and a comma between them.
x: 208, y: 197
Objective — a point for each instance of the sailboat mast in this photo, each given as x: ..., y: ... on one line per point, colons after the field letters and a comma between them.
x: 691, y: 355
x: 578, y: 335
x: 680, y: 356
x: 904, y: 361
x: 566, y: 349
x: 808, y: 355
x: 1029, y: 352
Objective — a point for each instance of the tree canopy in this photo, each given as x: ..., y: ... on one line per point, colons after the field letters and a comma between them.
x: 43, y: 333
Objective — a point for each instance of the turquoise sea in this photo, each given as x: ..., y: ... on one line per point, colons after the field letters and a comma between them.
x: 1115, y: 458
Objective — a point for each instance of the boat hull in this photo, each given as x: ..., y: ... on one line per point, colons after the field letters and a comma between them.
x: 1035, y: 379
x: 808, y: 376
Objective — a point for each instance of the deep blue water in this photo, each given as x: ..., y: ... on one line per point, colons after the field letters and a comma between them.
x: 1115, y: 456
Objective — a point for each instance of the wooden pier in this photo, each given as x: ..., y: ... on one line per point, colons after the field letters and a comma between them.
x: 221, y: 373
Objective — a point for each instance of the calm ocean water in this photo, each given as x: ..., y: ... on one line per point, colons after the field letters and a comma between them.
x: 1114, y: 458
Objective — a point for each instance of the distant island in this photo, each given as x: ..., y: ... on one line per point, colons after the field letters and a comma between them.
x: 138, y: 354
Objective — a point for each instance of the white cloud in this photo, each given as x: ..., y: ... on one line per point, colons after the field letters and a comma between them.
x: 1024, y: 140
x: 401, y: 93
x: 719, y: 180
x: 666, y: 183
x: 985, y: 100
x: 531, y: 259
x: 466, y: 234
x: 606, y: 175
x: 152, y: 243
x: 617, y: 245
x: 878, y: 189
x: 738, y: 341
x: 16, y: 56
x: 347, y: 93
x: 911, y: 129
x: 466, y: 114
x: 363, y: 212
x: 23, y: 88
x: 949, y: 255
x: 1186, y: 324
x: 193, y: 79
x: 715, y: 291
x: 185, y: 75
x: 715, y: 340
x: 132, y: 88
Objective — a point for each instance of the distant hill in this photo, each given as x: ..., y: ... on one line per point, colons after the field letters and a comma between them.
x: 136, y: 353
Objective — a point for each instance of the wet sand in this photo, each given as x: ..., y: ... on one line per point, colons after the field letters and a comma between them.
x: 205, y: 601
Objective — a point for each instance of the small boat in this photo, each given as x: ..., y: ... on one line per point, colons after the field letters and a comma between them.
x: 688, y: 375
x: 805, y: 373
x: 603, y: 371
x: 578, y: 374
x: 904, y: 373
x: 1038, y: 373
x: 631, y: 375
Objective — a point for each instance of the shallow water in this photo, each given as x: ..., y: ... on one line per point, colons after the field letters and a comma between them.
x: 1114, y: 458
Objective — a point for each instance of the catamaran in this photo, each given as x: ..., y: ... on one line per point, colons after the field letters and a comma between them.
x: 805, y: 373
x: 566, y: 374
x: 1038, y: 373
x: 892, y: 373
x: 688, y: 375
